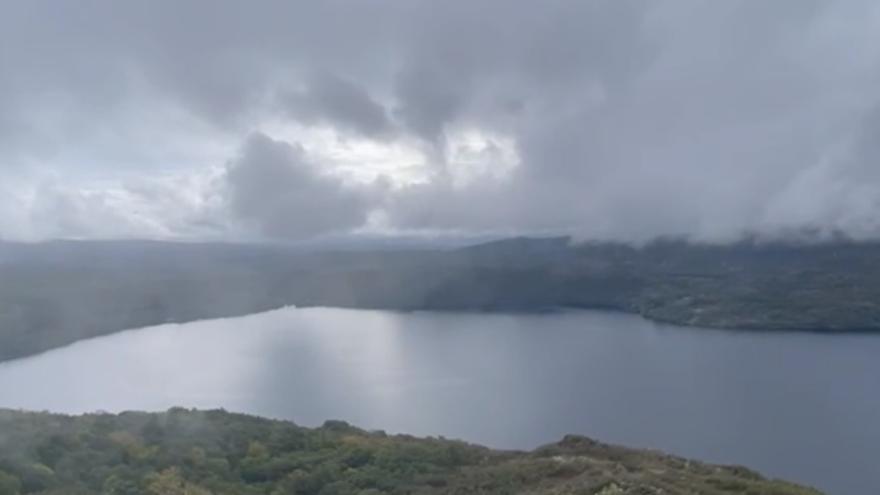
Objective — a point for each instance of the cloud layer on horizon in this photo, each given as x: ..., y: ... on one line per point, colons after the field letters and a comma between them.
x: 608, y: 119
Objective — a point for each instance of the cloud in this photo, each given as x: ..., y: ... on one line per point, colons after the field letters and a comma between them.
x: 331, y: 100
x: 629, y: 119
x: 178, y: 206
x: 701, y: 133
x: 840, y: 194
x: 274, y: 188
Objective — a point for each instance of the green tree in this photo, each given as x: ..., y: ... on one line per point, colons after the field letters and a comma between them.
x: 9, y: 484
x: 170, y: 482
x: 37, y: 478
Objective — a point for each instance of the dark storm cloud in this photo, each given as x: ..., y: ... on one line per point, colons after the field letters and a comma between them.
x: 329, y: 99
x: 273, y: 187
x: 213, y: 58
x: 631, y: 119
x: 719, y: 111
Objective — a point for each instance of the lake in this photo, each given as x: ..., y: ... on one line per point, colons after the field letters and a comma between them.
x: 800, y: 406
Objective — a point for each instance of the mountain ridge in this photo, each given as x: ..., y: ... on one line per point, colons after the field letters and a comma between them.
x: 58, y: 293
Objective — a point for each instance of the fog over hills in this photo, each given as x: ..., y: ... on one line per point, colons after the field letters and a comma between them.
x: 60, y: 292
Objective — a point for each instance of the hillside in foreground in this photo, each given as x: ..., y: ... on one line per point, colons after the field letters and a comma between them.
x: 186, y: 452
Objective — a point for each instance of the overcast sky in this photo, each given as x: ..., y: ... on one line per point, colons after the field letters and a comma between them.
x: 287, y: 120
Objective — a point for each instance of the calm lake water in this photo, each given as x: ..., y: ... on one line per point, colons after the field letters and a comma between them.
x: 800, y: 406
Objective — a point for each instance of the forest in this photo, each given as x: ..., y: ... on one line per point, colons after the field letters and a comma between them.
x: 190, y: 452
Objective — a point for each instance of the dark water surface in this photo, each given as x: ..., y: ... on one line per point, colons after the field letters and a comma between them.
x: 800, y: 406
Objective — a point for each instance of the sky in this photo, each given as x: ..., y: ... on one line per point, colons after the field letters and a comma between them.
x: 295, y: 120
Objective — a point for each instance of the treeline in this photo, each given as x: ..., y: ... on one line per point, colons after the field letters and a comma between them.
x: 185, y: 452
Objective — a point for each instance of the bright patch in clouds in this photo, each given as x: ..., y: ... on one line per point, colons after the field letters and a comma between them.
x: 355, y: 158
x: 475, y: 154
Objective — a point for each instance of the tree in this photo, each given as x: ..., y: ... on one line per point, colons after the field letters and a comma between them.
x: 9, y: 484
x: 170, y: 482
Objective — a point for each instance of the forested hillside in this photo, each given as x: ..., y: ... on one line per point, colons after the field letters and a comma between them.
x: 56, y: 293
x: 185, y: 452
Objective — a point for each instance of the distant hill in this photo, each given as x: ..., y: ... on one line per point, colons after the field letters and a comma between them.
x: 56, y: 293
x: 184, y: 452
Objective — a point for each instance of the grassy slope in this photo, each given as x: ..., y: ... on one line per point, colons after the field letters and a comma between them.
x: 198, y: 453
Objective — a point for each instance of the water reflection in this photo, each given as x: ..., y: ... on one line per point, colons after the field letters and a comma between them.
x: 799, y: 406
